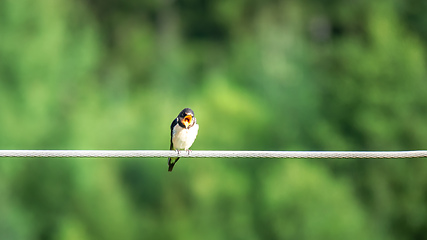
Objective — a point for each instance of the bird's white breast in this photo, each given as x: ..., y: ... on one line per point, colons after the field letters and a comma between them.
x: 183, y: 138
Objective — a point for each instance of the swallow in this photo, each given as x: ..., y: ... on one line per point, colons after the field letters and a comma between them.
x: 184, y: 129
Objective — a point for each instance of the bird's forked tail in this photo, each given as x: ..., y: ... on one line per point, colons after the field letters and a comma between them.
x: 171, y: 162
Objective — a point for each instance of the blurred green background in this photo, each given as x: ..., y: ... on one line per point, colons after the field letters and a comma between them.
x: 260, y: 75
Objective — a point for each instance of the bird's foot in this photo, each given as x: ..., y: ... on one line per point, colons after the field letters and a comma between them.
x: 188, y: 151
x: 177, y: 151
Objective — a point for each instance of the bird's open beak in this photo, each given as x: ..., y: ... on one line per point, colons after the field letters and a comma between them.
x: 187, y: 120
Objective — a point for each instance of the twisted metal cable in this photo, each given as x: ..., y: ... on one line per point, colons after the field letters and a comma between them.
x: 211, y: 154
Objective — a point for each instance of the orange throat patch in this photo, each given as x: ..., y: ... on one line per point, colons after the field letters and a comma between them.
x: 187, y: 121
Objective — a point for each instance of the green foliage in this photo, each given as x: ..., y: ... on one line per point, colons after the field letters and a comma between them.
x: 260, y: 75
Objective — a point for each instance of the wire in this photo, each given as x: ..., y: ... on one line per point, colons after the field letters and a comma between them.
x: 211, y: 154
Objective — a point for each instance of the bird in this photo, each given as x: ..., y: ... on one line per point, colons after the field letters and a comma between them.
x: 184, y: 129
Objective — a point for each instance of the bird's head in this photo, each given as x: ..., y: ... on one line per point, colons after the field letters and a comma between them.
x: 186, y: 117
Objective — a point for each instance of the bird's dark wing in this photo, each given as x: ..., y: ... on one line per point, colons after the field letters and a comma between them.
x: 174, y: 123
x: 172, y: 161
